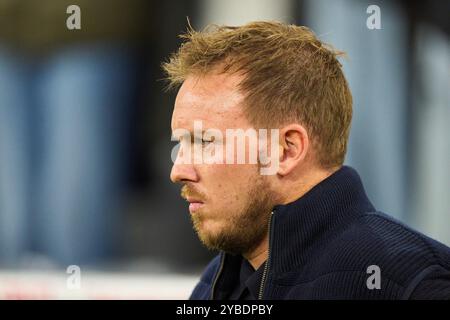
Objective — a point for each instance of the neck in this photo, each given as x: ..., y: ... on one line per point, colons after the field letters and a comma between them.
x: 306, y: 182
x: 259, y: 255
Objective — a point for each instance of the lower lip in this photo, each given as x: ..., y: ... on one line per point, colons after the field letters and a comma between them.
x: 194, y: 206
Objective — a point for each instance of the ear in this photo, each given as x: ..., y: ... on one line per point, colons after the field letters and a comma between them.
x: 294, y: 145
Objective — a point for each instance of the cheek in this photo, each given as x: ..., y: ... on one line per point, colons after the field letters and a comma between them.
x: 227, y: 184
x: 238, y: 181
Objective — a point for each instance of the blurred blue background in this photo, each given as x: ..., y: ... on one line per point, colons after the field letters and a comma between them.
x: 85, y: 124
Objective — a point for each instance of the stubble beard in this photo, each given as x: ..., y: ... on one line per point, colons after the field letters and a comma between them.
x: 243, y: 231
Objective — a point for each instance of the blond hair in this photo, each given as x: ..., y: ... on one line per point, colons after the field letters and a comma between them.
x: 289, y: 75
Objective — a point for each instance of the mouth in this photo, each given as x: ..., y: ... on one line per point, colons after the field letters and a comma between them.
x: 194, y: 204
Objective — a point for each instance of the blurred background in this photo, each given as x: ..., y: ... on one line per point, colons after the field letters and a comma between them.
x: 85, y: 133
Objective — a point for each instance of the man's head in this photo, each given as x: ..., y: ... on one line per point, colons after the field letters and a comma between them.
x: 263, y: 75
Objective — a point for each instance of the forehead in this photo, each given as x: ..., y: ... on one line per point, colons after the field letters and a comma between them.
x: 213, y: 99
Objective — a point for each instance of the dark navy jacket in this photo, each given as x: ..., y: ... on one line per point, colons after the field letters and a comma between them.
x: 322, y: 246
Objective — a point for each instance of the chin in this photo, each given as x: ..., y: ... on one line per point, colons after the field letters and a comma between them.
x: 209, y: 230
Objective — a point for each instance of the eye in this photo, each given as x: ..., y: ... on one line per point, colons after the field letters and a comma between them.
x: 206, y: 142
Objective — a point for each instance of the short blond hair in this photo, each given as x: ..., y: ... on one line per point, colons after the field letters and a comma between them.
x: 289, y: 76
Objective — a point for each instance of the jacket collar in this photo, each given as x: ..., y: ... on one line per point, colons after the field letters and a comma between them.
x: 333, y: 202
x: 295, y: 227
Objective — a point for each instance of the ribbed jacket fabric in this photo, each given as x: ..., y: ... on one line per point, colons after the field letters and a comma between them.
x: 322, y: 245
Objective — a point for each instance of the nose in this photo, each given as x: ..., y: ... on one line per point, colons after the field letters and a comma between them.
x: 183, y: 172
x: 182, y: 169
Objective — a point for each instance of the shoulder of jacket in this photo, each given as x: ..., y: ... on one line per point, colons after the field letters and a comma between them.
x: 211, y: 270
x: 376, y: 239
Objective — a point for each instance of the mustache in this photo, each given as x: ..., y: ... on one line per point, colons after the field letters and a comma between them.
x: 190, y: 191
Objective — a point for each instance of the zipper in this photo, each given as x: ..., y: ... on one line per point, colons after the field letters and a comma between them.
x: 222, y: 261
x: 266, y: 266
